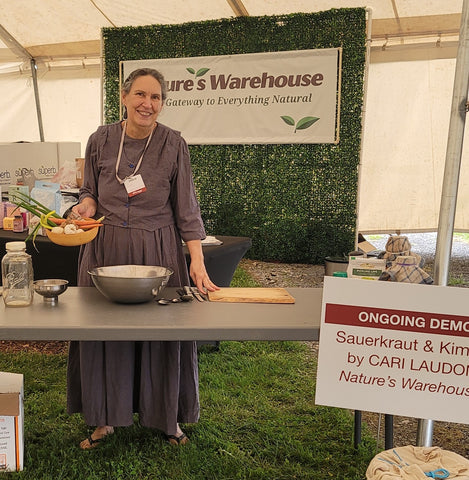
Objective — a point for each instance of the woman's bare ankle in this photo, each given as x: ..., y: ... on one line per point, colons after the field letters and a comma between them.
x: 102, y: 431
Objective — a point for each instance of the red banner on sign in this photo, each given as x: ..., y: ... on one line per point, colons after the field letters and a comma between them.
x: 404, y: 320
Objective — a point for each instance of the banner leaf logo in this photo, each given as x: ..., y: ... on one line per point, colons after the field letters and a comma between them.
x: 288, y: 120
x: 306, y: 122
x: 200, y: 72
x: 302, y: 124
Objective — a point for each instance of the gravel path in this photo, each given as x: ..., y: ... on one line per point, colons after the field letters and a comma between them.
x: 304, y: 275
x: 424, y: 244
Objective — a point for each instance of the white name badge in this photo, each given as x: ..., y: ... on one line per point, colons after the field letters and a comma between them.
x: 134, y: 185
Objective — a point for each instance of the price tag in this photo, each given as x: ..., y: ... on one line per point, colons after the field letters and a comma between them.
x: 134, y: 185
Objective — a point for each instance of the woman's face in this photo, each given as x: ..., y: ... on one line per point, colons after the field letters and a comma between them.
x: 144, y: 103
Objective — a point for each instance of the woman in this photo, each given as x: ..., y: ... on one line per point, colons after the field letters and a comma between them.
x: 138, y: 176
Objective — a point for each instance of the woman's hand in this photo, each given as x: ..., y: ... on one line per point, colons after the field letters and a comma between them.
x: 200, y: 277
x: 197, y: 269
x: 87, y: 208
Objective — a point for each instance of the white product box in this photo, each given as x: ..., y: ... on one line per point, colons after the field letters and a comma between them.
x: 365, y: 268
x: 42, y: 159
x: 11, y: 422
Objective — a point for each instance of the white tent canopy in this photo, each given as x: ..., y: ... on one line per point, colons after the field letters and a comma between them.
x: 410, y: 80
x: 54, y: 30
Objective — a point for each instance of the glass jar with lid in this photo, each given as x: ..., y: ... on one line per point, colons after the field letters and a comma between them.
x: 17, y: 276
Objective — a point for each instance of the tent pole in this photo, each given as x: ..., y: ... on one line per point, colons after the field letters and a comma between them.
x: 369, y: 23
x: 36, y: 96
x: 19, y: 50
x: 449, y: 191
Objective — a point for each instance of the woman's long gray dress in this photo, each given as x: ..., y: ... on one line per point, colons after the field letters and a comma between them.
x: 109, y: 381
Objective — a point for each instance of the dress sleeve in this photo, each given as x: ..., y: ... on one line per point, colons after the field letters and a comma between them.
x: 184, y: 199
x: 90, y: 173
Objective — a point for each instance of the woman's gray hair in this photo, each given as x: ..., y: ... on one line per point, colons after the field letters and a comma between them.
x: 142, y: 72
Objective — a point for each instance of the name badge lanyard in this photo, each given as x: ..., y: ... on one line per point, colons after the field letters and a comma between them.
x: 121, y: 146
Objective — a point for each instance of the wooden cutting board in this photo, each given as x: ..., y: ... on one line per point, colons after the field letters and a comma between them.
x: 251, y: 295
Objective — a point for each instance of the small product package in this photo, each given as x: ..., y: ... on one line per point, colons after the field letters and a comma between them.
x: 12, y: 189
x: 8, y: 223
x: 2, y: 213
x: 366, y: 268
x: 11, y: 422
x: 10, y: 209
x: 48, y: 194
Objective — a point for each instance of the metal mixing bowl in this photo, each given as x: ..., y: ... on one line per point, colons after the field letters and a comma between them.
x: 130, y: 283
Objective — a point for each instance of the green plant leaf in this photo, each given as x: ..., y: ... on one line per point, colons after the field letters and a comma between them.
x: 306, y: 122
x: 201, y: 72
x: 190, y: 70
x: 288, y: 120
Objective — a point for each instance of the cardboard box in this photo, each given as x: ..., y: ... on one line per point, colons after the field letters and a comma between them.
x: 41, y: 159
x: 11, y: 422
x: 366, y: 247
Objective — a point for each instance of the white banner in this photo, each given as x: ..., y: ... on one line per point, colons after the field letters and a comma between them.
x: 276, y: 97
x: 395, y: 348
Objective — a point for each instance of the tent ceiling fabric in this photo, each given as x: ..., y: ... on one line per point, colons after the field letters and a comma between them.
x: 57, y: 29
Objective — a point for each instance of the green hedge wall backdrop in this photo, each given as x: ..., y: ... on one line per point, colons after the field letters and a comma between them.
x: 296, y: 202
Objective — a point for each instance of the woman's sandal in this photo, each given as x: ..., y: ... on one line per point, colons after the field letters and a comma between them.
x: 181, y: 440
x: 93, y: 443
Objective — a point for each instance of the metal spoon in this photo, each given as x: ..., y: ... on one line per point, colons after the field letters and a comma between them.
x: 164, y: 301
x: 167, y: 301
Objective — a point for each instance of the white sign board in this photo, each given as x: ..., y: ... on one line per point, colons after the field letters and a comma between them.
x: 275, y: 97
x: 395, y: 348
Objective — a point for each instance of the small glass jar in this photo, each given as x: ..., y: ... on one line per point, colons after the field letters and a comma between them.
x: 17, y: 276
x: 18, y: 225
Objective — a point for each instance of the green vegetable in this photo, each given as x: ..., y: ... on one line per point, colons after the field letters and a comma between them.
x: 33, y: 206
x: 36, y: 208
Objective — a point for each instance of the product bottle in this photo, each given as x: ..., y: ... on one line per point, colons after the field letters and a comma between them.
x: 18, y: 223
x: 17, y: 276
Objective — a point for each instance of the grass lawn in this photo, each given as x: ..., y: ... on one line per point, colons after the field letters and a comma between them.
x: 258, y: 421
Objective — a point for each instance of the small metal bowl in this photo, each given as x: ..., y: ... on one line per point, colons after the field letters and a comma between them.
x: 50, y: 289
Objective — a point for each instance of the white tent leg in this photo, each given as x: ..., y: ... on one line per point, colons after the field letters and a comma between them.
x: 450, y: 179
